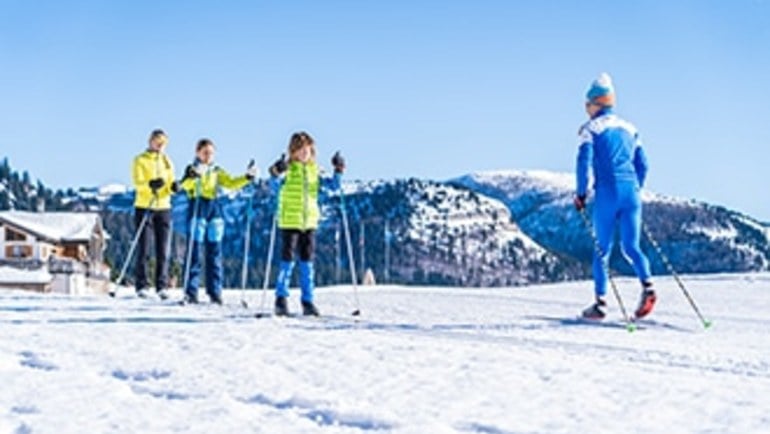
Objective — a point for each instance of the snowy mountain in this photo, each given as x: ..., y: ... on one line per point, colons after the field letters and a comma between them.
x: 442, y: 234
x: 111, y: 189
x: 484, y: 229
x: 461, y: 233
x: 98, y: 195
x: 697, y: 237
x: 414, y: 232
x: 420, y: 360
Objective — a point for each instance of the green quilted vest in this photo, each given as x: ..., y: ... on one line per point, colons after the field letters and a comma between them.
x: 298, y: 206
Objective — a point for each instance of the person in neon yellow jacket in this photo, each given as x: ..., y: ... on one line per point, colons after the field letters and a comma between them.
x: 153, y: 176
x: 202, y: 183
x: 297, y: 183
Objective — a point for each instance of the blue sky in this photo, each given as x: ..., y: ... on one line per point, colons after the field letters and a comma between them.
x: 403, y: 88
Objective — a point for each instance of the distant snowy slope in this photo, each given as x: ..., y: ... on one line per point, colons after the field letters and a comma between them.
x: 421, y: 360
x: 697, y: 236
x: 468, y: 238
x: 522, y: 190
x: 110, y: 189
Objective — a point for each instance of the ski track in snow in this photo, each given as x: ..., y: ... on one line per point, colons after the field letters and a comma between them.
x: 419, y: 360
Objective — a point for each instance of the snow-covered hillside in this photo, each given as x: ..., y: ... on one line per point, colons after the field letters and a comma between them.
x: 456, y: 235
x: 698, y: 237
x: 436, y: 234
x: 421, y: 360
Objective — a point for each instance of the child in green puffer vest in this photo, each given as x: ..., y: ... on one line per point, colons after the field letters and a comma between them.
x: 297, y: 183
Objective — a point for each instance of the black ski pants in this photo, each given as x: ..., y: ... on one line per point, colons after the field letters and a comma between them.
x: 159, y: 225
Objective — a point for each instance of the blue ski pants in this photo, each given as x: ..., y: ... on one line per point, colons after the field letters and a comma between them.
x: 304, y: 242
x: 621, y: 205
x: 208, y: 230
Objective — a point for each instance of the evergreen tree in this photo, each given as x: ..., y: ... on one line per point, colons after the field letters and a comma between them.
x: 5, y: 170
x: 18, y: 192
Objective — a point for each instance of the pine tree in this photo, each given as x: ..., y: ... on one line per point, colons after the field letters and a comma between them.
x: 5, y: 170
x: 5, y: 201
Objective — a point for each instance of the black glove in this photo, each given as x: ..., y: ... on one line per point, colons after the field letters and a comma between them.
x: 156, y: 184
x: 580, y: 202
x: 190, y: 172
x: 175, y: 187
x: 338, y: 161
x: 252, y: 170
x: 280, y: 166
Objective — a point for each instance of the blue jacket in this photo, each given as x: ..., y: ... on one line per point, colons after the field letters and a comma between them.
x: 612, y: 147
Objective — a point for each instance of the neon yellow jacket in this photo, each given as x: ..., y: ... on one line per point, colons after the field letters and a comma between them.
x: 150, y: 165
x: 298, y: 200
x: 211, y: 180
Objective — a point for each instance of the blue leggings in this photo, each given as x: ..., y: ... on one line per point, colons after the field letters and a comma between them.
x: 622, y: 205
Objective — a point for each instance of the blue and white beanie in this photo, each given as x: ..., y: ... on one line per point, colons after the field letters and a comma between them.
x: 602, y: 92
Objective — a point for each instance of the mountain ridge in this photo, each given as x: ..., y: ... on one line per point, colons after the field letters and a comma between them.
x: 489, y: 228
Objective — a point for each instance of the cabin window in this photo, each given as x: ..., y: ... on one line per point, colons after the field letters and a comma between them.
x: 12, y: 235
x: 18, y: 251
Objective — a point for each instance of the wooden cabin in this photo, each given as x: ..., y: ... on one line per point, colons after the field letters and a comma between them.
x: 69, y: 245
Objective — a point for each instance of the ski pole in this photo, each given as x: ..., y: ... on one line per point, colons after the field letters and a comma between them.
x: 268, y: 263
x: 132, y: 247
x: 246, y: 242
x: 191, y: 240
x: 246, y: 246
x: 630, y: 326
x: 706, y: 323
x: 353, y: 276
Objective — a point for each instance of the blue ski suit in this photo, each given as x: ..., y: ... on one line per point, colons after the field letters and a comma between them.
x: 611, y: 147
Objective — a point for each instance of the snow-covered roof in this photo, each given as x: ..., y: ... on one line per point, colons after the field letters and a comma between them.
x: 10, y: 275
x: 56, y: 226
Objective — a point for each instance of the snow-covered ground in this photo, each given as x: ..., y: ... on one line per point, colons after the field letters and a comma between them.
x: 421, y: 360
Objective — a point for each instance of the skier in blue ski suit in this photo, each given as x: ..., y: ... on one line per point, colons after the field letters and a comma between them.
x: 610, y: 147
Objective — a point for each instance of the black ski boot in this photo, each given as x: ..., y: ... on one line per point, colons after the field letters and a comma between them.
x: 309, y: 309
x: 216, y: 299
x: 596, y: 311
x: 281, y: 306
x: 189, y: 299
